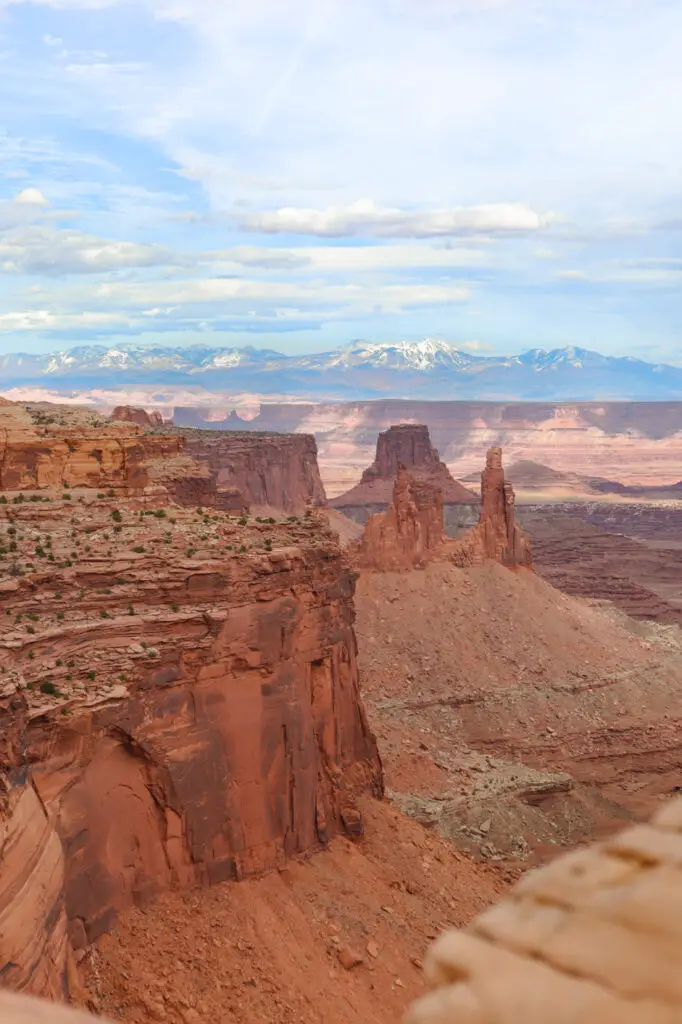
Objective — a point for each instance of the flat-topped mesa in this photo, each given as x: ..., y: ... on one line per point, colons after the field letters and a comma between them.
x: 410, y: 531
x: 496, y: 535
x: 134, y: 414
x: 272, y: 471
x: 409, y: 445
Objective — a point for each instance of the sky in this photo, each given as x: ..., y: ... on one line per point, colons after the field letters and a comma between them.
x: 297, y: 174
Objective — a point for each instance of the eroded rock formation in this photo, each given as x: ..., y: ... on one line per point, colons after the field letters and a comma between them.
x: 410, y: 531
x: 497, y: 535
x: 184, y: 689
x: 408, y: 445
x: 271, y: 471
x: 595, y: 936
x: 134, y: 414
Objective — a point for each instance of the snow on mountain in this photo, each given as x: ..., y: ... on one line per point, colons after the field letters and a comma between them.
x: 430, y: 369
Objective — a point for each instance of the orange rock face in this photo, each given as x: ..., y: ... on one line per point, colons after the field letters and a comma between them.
x: 33, y: 929
x: 185, y: 691
x: 409, y: 532
x: 271, y: 471
x: 133, y: 414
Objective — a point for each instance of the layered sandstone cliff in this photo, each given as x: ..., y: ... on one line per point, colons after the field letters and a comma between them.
x: 593, y: 937
x: 271, y: 471
x: 33, y: 928
x: 184, y: 689
x: 408, y: 445
x: 49, y: 446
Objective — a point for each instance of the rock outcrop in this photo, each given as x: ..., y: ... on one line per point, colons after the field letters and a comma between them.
x: 271, y: 471
x: 34, y: 951
x: 409, y: 533
x: 595, y: 936
x: 497, y: 535
x: 184, y: 689
x: 408, y: 445
x: 134, y: 414
x: 51, y: 446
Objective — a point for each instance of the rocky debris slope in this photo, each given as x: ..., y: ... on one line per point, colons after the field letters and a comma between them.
x: 339, y: 937
x: 271, y: 471
x: 593, y: 937
x: 134, y: 414
x: 511, y: 717
x: 192, y: 672
x: 409, y: 533
x: 408, y: 445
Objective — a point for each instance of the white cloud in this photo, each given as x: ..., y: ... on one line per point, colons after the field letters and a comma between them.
x: 365, y: 219
x: 40, y: 250
x: 31, y: 197
x: 26, y: 207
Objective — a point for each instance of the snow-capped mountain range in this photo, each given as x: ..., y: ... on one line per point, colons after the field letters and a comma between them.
x: 362, y: 370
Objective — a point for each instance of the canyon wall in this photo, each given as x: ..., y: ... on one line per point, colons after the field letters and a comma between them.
x: 134, y: 414
x: 184, y: 691
x: 634, y: 442
x: 61, y: 447
x: 34, y: 955
x: 273, y: 471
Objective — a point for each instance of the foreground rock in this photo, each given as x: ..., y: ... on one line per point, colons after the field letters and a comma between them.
x: 192, y: 674
x: 593, y: 937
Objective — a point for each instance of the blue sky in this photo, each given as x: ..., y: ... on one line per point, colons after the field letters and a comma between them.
x: 503, y: 174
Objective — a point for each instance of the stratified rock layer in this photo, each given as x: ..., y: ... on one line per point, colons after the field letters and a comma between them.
x: 408, y: 445
x: 594, y: 937
x: 409, y: 533
x: 33, y: 928
x: 184, y: 689
x: 272, y: 471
